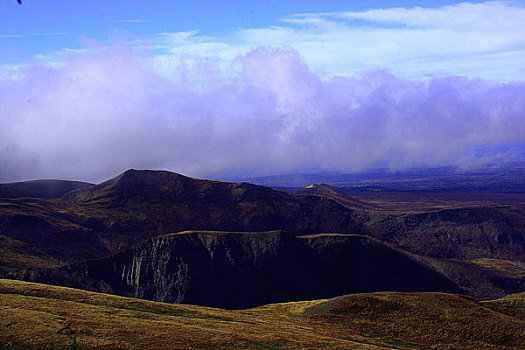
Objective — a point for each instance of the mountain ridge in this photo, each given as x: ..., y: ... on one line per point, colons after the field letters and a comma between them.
x: 116, y: 216
x: 45, y: 188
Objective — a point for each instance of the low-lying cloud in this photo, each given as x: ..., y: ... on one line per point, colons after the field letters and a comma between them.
x: 97, y: 113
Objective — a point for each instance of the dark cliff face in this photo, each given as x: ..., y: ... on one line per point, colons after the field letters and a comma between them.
x: 240, y: 270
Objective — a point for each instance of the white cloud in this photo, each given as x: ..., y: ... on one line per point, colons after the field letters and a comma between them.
x: 48, y: 34
x: 129, y: 21
x: 493, y: 15
x: 97, y: 113
x: 238, y: 103
x: 476, y: 40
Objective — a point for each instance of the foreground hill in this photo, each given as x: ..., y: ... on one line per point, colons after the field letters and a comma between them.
x: 240, y: 270
x: 40, y: 188
x: 48, y: 317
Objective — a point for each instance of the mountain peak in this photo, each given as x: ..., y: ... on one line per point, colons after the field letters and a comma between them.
x: 148, y: 173
x: 132, y: 182
x: 333, y: 193
x: 321, y: 186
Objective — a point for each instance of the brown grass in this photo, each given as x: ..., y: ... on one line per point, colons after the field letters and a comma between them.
x: 514, y: 269
x: 410, y: 202
x: 415, y: 320
x: 41, y: 316
x: 15, y: 254
x: 512, y: 305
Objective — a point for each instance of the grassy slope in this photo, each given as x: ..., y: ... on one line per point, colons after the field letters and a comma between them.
x: 14, y: 253
x: 414, y: 202
x: 505, y: 267
x: 33, y: 233
x: 41, y: 316
x: 512, y: 305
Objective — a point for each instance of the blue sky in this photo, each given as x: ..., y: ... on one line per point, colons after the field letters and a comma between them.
x: 89, y: 89
x: 97, y: 19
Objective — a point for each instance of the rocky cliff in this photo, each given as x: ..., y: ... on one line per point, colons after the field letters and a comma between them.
x: 240, y: 270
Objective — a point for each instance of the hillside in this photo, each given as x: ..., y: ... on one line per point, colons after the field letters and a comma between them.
x: 48, y: 317
x: 462, y: 233
x: 160, y: 202
x: 420, y: 202
x: 40, y: 188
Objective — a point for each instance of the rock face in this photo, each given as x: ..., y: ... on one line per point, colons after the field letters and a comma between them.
x: 241, y: 270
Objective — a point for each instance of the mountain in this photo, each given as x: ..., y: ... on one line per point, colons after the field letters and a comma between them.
x: 154, y: 202
x: 40, y: 316
x: 96, y: 221
x: 40, y: 188
x: 163, y: 201
x: 111, y: 218
x: 483, y: 279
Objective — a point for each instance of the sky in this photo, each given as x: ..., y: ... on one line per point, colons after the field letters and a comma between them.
x: 227, y: 89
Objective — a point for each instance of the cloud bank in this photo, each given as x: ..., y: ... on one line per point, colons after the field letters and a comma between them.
x: 97, y: 113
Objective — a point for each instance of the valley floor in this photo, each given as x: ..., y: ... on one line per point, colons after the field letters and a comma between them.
x: 49, y: 317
